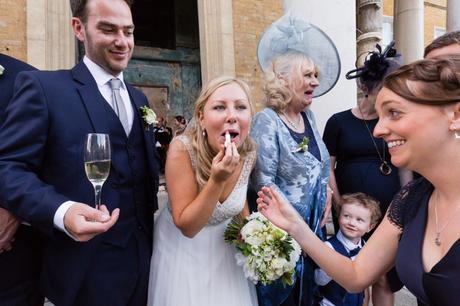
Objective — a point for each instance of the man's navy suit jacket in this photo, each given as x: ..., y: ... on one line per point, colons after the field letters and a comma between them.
x: 21, y: 264
x: 41, y: 166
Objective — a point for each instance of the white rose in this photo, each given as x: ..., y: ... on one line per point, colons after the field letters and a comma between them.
x: 250, y: 232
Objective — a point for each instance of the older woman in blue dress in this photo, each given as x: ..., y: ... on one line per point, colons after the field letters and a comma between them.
x: 291, y: 154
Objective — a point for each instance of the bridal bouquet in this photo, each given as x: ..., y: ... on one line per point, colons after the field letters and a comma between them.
x: 265, y: 251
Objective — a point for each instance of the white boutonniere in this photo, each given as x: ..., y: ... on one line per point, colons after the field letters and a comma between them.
x: 2, y: 69
x: 303, y: 146
x: 148, y: 115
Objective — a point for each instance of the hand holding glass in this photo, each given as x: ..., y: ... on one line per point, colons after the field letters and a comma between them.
x: 97, y: 162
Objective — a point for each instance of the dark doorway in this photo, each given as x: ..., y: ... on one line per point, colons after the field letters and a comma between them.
x: 166, y: 24
x: 166, y: 60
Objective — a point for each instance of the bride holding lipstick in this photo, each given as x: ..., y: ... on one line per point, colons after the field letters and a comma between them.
x: 207, y: 171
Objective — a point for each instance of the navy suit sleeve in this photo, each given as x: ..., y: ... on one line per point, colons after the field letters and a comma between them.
x: 23, y: 139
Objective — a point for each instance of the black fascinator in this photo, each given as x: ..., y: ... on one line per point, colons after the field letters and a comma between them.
x: 376, y: 66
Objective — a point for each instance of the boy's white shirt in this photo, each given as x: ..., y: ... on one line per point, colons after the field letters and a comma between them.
x: 321, y: 277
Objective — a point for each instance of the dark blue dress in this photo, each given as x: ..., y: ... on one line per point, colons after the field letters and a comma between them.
x: 441, y: 285
x: 358, y: 165
x: 357, y: 161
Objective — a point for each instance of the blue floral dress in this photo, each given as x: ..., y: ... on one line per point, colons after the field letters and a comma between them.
x: 301, y: 177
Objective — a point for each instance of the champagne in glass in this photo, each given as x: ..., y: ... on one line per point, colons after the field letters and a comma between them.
x: 97, y: 162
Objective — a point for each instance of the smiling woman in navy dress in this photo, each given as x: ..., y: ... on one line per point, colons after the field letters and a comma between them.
x: 361, y: 162
x: 419, y: 119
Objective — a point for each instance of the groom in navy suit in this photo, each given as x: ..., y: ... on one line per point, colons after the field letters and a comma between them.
x: 90, y: 256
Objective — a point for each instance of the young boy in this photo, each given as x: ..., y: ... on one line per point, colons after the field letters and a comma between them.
x: 359, y: 213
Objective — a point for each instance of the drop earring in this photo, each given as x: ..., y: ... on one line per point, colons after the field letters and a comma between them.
x: 204, y: 133
x: 456, y: 133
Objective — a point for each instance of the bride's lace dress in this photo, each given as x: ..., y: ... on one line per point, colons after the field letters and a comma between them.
x: 200, y: 271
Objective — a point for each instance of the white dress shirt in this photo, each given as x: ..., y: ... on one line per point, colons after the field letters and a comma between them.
x: 102, y: 79
x: 321, y: 277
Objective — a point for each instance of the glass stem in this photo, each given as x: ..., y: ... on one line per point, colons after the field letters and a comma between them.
x: 97, y: 195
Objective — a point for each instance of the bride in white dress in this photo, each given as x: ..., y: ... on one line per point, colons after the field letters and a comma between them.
x: 207, y: 183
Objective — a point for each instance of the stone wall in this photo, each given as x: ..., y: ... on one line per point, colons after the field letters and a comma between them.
x: 250, y: 20
x: 13, y: 28
x: 435, y: 16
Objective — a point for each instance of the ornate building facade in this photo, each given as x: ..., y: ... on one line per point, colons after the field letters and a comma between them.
x: 222, y: 39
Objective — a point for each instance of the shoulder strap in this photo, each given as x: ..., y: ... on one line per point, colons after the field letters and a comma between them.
x: 188, y: 145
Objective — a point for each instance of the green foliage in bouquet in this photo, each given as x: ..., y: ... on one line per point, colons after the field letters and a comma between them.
x: 232, y: 235
x: 266, y: 252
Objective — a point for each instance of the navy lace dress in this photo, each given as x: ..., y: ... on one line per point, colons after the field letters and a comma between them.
x: 441, y: 285
x: 357, y: 161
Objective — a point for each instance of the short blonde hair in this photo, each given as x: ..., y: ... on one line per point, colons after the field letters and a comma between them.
x: 203, y: 150
x: 365, y: 201
x: 283, y: 76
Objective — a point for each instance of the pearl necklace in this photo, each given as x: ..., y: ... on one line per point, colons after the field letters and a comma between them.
x: 292, y: 124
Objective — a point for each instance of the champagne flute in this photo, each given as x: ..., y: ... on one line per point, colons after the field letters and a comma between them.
x: 97, y: 162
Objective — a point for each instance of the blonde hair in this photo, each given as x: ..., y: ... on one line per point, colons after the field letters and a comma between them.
x: 364, y: 200
x: 283, y: 77
x: 204, y: 152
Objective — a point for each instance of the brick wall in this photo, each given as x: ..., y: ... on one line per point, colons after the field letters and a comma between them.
x: 388, y: 7
x: 435, y: 16
x: 13, y: 28
x: 250, y: 19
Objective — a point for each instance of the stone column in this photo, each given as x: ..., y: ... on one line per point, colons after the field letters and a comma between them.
x: 216, y: 38
x: 453, y: 15
x: 369, y: 27
x: 50, y: 39
x: 408, y: 29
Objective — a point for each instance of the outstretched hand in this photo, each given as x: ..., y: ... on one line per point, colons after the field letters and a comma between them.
x: 84, y: 222
x: 277, y: 209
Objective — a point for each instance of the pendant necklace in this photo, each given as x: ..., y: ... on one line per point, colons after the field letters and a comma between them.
x: 385, y: 169
x: 292, y: 124
x: 437, y: 239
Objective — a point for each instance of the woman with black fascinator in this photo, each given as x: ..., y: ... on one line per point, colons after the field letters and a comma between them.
x: 359, y: 161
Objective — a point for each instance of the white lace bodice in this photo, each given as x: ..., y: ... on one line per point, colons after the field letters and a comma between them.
x: 234, y: 203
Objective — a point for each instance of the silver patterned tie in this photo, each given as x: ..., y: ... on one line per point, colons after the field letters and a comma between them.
x: 118, y: 105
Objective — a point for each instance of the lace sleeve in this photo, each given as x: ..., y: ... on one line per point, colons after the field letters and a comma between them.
x: 407, y: 201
